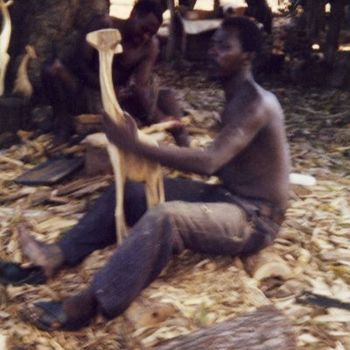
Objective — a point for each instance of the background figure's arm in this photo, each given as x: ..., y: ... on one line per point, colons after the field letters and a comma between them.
x: 84, y: 69
x: 86, y: 57
x: 143, y: 82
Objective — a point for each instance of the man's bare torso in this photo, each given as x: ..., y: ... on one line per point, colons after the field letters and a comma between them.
x: 261, y: 170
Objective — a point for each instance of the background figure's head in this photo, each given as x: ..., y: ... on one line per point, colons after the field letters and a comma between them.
x: 234, y: 45
x: 143, y: 22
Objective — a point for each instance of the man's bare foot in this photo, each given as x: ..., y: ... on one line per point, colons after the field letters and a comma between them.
x: 48, y: 256
x: 70, y: 314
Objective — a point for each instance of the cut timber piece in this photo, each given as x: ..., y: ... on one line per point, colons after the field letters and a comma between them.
x: 264, y: 329
x: 265, y: 264
x: 125, y: 165
x: 97, y: 161
x: 87, y: 123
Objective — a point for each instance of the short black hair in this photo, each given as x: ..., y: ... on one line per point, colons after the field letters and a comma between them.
x: 144, y: 7
x: 248, y: 32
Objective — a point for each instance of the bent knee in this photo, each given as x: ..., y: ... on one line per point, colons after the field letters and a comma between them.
x: 167, y: 209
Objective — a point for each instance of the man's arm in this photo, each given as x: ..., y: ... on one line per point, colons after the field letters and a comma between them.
x: 143, y: 79
x: 84, y: 69
x: 226, y: 146
x: 87, y: 63
x: 233, y: 138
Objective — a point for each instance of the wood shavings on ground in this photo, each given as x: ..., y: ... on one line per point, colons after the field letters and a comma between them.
x: 196, y: 290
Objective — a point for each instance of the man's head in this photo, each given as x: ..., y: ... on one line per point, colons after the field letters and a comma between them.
x: 144, y: 22
x: 234, y: 45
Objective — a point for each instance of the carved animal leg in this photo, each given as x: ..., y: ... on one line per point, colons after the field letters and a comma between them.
x: 119, y: 209
x: 120, y: 178
x: 161, y: 190
x: 154, y: 189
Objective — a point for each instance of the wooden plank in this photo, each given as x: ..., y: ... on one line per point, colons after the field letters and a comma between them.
x: 51, y: 171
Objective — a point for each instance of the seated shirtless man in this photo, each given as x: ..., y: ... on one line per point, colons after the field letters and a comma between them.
x: 240, y: 216
x: 70, y: 84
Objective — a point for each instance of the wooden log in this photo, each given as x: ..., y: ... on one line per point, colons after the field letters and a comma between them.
x: 170, y: 48
x: 264, y: 329
x: 97, y: 160
x: 265, y: 264
x: 333, y: 33
x: 53, y: 28
x: 13, y: 112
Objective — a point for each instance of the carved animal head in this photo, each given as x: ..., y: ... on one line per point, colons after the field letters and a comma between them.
x: 105, y: 39
x: 4, y: 4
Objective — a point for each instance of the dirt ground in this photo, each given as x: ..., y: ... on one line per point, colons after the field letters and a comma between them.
x: 197, y: 290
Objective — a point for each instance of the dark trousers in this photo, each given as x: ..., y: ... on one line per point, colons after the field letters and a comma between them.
x: 196, y: 216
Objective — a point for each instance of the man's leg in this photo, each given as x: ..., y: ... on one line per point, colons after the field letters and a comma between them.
x: 96, y: 229
x: 213, y: 228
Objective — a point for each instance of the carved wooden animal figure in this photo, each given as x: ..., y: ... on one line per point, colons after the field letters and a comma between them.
x: 4, y: 41
x: 125, y: 165
x: 23, y: 86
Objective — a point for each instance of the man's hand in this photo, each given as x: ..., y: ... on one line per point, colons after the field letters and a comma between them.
x: 123, y: 136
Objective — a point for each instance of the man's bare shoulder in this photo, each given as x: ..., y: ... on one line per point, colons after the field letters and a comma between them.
x: 269, y: 106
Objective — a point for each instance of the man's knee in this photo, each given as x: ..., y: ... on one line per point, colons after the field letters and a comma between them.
x: 168, y: 104
x: 164, y: 219
x: 167, y: 210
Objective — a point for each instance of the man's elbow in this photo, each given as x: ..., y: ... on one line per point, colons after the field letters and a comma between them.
x: 208, y: 166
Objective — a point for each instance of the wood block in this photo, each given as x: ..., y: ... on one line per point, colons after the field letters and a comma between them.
x: 87, y: 123
x: 13, y: 111
x: 97, y: 161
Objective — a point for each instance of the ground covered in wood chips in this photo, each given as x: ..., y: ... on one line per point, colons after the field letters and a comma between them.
x: 197, y: 290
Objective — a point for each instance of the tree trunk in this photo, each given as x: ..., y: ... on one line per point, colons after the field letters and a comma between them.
x: 315, y: 18
x: 332, y: 39
x: 170, y: 46
x: 264, y: 329
x: 51, y: 27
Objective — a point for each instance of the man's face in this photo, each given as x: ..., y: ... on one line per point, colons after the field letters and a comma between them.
x: 141, y: 28
x: 225, y: 53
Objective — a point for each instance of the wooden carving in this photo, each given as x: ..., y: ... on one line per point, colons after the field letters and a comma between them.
x: 23, y: 86
x: 4, y: 41
x: 125, y: 165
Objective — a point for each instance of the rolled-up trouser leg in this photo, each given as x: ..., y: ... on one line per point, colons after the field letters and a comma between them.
x: 213, y: 228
